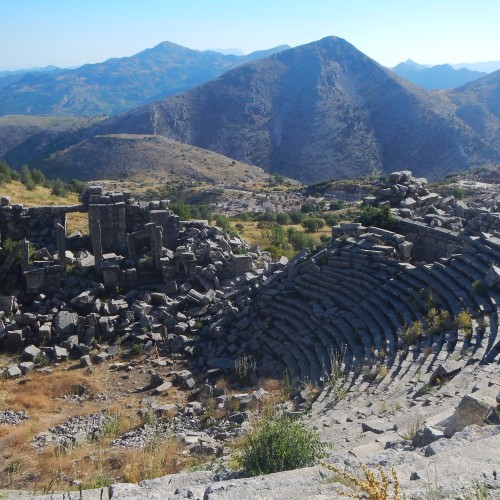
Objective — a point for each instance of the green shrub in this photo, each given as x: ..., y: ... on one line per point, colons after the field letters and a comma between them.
x: 458, y: 193
x: 378, y: 217
x: 308, y: 208
x: 283, y: 218
x: 183, y: 210
x: 279, y: 444
x: 337, y: 205
x: 6, y: 173
x: 297, y: 217
x: 331, y: 219
x: 76, y: 185
x: 480, y: 288
x: 300, y: 240
x: 224, y: 223
x: 464, y: 322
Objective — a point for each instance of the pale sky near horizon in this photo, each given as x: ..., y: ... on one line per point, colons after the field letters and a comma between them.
x: 67, y: 33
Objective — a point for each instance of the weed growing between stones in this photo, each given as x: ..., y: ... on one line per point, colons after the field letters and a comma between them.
x: 334, y: 376
x: 480, y: 288
x: 278, y: 444
x: 412, y: 430
x: 245, y: 366
x: 373, y: 486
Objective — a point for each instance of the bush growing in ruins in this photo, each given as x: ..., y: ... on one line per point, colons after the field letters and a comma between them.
x: 183, y: 210
x: 378, y: 217
x: 464, y: 322
x: 278, y: 444
x: 224, y: 223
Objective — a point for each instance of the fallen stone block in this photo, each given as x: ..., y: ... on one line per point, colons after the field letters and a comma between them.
x: 472, y: 409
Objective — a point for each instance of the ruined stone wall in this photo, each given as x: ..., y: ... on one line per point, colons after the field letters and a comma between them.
x: 429, y: 243
x: 485, y: 222
x: 107, y: 216
x: 37, y: 224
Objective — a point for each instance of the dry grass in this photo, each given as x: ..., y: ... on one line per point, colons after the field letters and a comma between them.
x: 40, y: 196
x: 38, y: 391
x: 271, y: 384
x: 77, y: 221
x: 157, y: 459
x: 93, y: 464
x: 253, y: 234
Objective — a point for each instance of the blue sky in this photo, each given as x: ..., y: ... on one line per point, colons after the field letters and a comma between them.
x: 70, y: 32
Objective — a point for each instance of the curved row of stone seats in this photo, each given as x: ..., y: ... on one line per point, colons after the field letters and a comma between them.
x: 289, y: 315
x: 350, y: 290
x: 292, y: 324
x: 359, y: 302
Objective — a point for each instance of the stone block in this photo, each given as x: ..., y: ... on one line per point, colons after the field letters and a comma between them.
x: 472, y: 409
x: 13, y: 372
x: 65, y: 323
x: 31, y: 352
x: 8, y: 303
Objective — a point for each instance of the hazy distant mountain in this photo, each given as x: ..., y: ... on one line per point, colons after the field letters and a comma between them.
x: 319, y: 111
x: 18, y: 72
x: 442, y: 76
x: 226, y: 52
x: 117, y: 84
x: 487, y: 67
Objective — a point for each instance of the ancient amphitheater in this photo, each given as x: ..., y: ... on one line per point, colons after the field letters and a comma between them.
x: 394, y: 337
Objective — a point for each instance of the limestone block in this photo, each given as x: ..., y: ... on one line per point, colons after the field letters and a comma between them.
x: 31, y: 352
x: 65, y: 323
x: 472, y: 409
x: 13, y: 371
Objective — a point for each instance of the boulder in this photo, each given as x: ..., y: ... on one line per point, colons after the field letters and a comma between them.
x: 65, y: 323
x: 472, y: 409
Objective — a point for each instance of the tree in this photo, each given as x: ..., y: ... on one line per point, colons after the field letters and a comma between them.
x: 313, y: 224
x: 277, y: 236
x: 297, y: 217
x: 58, y: 188
x: 25, y: 175
x: 308, y: 208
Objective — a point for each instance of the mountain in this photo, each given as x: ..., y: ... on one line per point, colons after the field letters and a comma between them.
x: 18, y: 72
x: 486, y: 66
x: 442, y: 76
x: 478, y: 104
x: 156, y: 158
x: 116, y: 84
x: 319, y: 111
x: 23, y: 138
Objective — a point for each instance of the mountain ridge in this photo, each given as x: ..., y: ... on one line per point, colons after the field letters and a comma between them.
x: 441, y: 76
x: 116, y: 84
x: 355, y: 117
